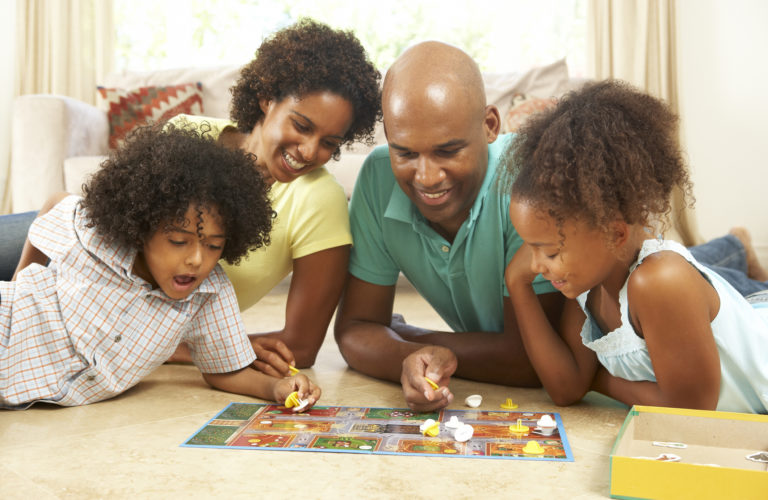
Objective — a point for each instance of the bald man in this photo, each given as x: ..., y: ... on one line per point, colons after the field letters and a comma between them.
x: 426, y: 205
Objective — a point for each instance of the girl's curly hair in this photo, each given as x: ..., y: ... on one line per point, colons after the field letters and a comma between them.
x: 304, y: 58
x: 605, y: 151
x: 150, y: 182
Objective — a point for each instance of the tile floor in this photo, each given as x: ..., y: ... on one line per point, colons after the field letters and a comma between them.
x: 128, y: 447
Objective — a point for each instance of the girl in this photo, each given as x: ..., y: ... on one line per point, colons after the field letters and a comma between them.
x: 588, y: 179
x: 310, y: 90
x: 132, y: 270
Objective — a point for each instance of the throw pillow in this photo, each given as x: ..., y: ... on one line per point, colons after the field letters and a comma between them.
x: 129, y: 108
x: 522, y: 107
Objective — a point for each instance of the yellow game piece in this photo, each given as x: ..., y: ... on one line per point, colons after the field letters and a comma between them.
x: 519, y: 428
x: 293, y: 369
x: 431, y: 383
x: 508, y: 404
x: 292, y: 400
x: 450, y: 451
x: 533, y: 448
x: 430, y: 428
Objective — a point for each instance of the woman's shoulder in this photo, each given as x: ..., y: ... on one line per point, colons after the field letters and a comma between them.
x: 318, y: 186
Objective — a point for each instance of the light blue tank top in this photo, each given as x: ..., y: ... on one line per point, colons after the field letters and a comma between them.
x: 740, y: 331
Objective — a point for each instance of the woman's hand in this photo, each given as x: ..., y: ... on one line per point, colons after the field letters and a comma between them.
x: 272, y: 356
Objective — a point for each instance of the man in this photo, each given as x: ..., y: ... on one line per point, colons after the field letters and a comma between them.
x: 427, y: 206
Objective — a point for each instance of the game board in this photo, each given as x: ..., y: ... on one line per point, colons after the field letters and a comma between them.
x: 392, y: 431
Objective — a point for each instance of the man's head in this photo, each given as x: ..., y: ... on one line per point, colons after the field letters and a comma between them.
x: 438, y: 128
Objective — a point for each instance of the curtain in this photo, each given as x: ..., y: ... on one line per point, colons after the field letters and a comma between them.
x: 61, y: 47
x: 634, y: 40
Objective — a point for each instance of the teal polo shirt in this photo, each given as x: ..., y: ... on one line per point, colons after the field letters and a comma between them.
x: 464, y: 280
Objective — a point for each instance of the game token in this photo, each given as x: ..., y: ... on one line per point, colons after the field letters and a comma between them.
x: 533, y: 448
x: 463, y: 433
x: 508, y: 404
x: 293, y: 401
x: 293, y: 369
x: 266, y: 422
x: 430, y: 428
x: 474, y: 400
x: 453, y: 423
x: 432, y: 383
x: 365, y: 447
x: 519, y: 428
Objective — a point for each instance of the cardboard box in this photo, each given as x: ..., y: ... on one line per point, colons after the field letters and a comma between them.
x: 712, y: 465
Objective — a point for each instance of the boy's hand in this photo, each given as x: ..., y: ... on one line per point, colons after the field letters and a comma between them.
x: 272, y: 356
x: 436, y: 363
x: 300, y: 383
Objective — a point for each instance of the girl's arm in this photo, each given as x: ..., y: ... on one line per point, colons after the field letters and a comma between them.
x: 563, y: 363
x: 251, y: 382
x: 29, y: 253
x: 672, y: 305
x: 316, y: 285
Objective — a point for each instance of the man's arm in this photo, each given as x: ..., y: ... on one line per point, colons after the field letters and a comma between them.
x: 496, y: 357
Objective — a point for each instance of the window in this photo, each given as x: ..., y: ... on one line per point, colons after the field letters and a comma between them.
x: 502, y: 35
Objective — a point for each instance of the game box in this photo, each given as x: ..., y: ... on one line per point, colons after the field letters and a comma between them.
x: 675, y: 453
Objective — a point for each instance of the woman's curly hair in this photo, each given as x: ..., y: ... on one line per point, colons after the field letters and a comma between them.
x: 304, y: 58
x: 150, y: 182
x: 605, y: 151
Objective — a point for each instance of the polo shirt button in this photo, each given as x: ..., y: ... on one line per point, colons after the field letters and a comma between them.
x: 446, y: 248
x: 118, y: 338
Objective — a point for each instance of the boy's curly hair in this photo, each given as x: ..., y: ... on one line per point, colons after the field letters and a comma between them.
x: 149, y: 183
x: 605, y: 151
x: 304, y: 58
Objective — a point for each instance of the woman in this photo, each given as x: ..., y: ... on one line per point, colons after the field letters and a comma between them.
x: 309, y: 90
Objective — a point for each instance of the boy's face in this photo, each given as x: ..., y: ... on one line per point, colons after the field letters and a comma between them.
x: 177, y: 259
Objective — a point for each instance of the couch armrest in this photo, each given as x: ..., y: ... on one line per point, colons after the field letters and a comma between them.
x: 47, y: 129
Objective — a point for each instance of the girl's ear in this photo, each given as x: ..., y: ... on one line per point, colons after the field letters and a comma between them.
x: 619, y: 233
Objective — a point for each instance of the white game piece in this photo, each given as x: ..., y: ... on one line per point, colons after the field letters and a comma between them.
x: 266, y: 422
x: 546, y: 420
x: 303, y: 403
x: 427, y: 424
x: 365, y: 447
x: 453, y: 423
x: 463, y: 433
x: 474, y: 400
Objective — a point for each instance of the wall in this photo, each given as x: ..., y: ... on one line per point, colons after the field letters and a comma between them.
x: 723, y: 78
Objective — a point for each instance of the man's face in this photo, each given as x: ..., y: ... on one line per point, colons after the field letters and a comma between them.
x: 439, y: 155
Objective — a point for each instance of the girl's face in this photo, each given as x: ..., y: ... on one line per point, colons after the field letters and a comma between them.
x: 177, y: 259
x: 298, y: 135
x: 575, y: 258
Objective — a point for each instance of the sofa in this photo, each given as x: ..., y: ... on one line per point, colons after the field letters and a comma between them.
x: 58, y: 142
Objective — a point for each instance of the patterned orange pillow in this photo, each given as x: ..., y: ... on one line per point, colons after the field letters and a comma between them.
x: 524, y: 106
x: 128, y: 109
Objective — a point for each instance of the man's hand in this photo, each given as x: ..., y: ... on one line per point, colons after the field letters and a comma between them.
x: 272, y: 356
x: 436, y: 363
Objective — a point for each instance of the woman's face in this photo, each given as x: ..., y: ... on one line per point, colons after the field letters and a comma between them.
x: 298, y: 135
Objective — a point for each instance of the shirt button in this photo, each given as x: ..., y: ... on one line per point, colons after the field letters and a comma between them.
x: 90, y: 378
x: 118, y: 338
x: 445, y: 248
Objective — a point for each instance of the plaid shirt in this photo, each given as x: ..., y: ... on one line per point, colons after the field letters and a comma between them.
x: 85, y: 328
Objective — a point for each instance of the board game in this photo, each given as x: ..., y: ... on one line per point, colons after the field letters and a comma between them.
x: 378, y: 431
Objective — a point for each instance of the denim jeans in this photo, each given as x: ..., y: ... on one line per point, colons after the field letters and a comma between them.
x: 13, y: 234
x: 727, y: 257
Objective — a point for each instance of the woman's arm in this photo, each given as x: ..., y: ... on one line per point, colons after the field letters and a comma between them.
x: 316, y: 285
x: 672, y: 306
x: 563, y: 363
x: 30, y: 254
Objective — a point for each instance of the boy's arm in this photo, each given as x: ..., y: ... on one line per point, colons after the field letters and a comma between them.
x: 251, y: 382
x: 29, y: 253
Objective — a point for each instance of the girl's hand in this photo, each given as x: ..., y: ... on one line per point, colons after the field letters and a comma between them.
x: 272, y: 356
x: 519, y: 268
x: 306, y: 390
